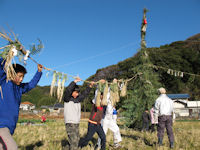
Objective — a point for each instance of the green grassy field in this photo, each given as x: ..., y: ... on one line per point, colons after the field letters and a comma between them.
x: 52, y: 136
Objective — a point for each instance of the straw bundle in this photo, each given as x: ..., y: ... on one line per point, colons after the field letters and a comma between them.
x: 8, y: 67
x: 100, y: 90
x: 98, y: 99
x: 124, y: 89
x: 53, y: 83
x: 59, y: 86
x: 105, y: 93
x: 114, y: 92
x: 62, y: 88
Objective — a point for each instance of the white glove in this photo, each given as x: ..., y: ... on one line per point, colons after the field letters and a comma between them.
x: 14, y: 51
x: 27, y: 54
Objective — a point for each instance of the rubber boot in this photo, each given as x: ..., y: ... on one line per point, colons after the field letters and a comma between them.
x: 160, y: 141
x: 171, y: 145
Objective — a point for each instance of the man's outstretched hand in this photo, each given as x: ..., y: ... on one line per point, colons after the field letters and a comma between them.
x: 40, y: 68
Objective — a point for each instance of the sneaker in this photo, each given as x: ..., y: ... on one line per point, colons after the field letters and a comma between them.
x: 171, y: 145
x: 160, y: 143
x: 117, y: 145
x: 97, y: 147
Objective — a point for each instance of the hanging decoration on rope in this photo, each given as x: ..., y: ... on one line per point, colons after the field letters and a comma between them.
x: 117, y: 88
x: 61, y: 86
x: 175, y: 73
x: 101, y: 86
x: 114, y: 92
x: 53, y: 84
x: 15, y: 48
x: 105, y: 93
x: 123, y: 88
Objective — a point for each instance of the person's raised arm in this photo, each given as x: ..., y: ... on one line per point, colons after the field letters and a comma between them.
x: 2, y: 72
x: 28, y: 86
x: 69, y: 89
x: 86, y: 92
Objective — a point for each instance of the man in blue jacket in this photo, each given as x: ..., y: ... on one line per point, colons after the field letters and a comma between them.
x: 10, y: 99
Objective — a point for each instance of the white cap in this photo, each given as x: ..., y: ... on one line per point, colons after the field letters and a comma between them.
x: 162, y: 90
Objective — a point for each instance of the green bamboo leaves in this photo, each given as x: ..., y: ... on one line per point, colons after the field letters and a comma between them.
x: 15, y: 48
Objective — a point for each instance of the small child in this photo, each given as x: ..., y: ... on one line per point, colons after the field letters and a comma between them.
x: 10, y: 100
x: 154, y: 121
x: 94, y: 125
x: 145, y: 120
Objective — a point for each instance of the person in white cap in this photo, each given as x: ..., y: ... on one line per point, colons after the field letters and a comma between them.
x: 164, y: 112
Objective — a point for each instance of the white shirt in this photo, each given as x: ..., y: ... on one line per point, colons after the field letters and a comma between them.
x: 163, y: 105
x: 72, y: 112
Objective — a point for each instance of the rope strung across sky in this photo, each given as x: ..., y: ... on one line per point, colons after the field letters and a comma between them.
x: 15, y: 48
x: 176, y: 73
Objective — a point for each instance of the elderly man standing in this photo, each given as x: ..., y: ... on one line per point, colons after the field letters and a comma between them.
x: 164, y: 110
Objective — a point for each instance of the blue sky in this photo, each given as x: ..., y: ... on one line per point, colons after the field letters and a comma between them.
x: 81, y: 36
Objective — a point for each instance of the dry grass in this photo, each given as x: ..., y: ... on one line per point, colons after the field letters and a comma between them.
x: 52, y: 136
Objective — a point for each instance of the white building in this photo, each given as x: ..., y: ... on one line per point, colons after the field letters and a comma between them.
x: 27, y: 106
x: 56, y: 109
x: 183, y: 107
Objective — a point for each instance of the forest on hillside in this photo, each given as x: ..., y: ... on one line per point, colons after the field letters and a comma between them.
x: 180, y: 55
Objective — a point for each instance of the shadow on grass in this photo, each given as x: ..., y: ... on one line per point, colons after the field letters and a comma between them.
x: 32, y: 146
x: 135, y: 137
x: 93, y: 140
x: 65, y: 143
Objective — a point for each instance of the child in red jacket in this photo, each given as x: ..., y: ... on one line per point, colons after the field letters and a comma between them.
x: 94, y: 125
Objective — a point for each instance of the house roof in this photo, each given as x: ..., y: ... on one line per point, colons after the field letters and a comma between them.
x: 27, y: 103
x: 58, y: 105
x: 178, y: 96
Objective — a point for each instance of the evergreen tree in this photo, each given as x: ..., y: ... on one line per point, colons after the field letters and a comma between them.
x: 143, y: 90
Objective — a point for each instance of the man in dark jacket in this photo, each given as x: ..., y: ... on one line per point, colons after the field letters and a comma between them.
x: 145, y: 120
x: 72, y: 111
x: 94, y: 125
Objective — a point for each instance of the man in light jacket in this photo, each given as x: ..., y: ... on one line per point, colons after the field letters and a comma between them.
x: 164, y: 112
x: 72, y: 111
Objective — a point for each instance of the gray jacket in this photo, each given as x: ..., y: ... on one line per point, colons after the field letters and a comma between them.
x: 72, y: 106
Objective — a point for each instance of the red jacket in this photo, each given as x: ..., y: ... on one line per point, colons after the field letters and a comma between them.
x: 96, y: 114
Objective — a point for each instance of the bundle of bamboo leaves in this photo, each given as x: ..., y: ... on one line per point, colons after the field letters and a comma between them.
x: 12, y: 49
x: 103, y: 87
x: 15, y: 48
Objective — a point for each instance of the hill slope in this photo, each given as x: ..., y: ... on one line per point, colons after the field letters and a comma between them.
x: 180, y: 55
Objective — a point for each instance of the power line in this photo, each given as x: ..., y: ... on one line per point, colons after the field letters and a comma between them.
x: 98, y: 55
